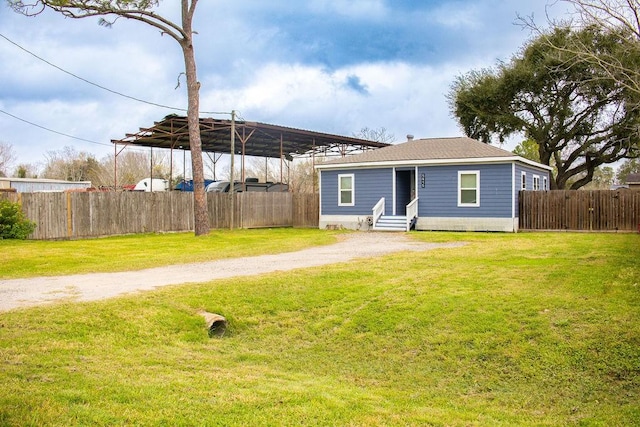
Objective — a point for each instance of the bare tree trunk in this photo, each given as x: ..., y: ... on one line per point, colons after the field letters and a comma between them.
x: 201, y: 213
x: 140, y: 10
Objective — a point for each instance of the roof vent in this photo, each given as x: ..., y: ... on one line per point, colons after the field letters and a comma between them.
x: 409, y: 137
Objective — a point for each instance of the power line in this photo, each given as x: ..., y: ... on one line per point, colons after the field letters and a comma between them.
x: 64, y: 134
x: 98, y: 85
x: 53, y: 131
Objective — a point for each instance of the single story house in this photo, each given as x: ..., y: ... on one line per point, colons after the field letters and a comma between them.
x: 430, y: 184
x: 633, y: 181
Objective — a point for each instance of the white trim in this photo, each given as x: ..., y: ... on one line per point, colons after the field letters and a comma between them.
x: 545, y: 183
x: 393, y: 191
x: 468, y: 205
x: 405, y: 163
x: 536, y: 187
x: 523, y: 181
x: 320, y: 192
x: 353, y: 189
x: 532, y: 163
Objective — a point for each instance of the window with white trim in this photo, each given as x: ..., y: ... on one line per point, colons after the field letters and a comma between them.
x: 536, y: 183
x: 346, y: 190
x: 468, y: 188
x: 523, y: 180
x: 545, y: 183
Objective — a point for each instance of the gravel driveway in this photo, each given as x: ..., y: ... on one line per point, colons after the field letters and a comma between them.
x: 30, y: 292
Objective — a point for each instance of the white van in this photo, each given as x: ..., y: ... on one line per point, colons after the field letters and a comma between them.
x: 155, y: 184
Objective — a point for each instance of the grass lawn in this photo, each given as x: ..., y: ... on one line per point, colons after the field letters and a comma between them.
x: 135, y: 252
x: 511, y: 329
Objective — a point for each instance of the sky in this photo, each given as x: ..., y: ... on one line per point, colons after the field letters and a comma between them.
x: 332, y: 66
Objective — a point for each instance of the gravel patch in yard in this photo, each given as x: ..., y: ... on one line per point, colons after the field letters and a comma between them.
x: 16, y: 293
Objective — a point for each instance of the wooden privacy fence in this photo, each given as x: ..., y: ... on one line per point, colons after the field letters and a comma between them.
x: 597, y: 210
x: 74, y: 215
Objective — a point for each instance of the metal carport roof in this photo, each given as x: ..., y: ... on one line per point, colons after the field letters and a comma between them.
x: 253, y: 139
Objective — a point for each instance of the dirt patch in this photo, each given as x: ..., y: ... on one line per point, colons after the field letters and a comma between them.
x: 17, y: 293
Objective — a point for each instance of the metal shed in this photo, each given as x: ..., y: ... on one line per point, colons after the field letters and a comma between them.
x: 35, y: 185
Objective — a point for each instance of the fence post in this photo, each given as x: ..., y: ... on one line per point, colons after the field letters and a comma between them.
x: 69, y: 216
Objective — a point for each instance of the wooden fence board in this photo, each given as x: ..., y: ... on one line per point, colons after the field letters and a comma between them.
x: 596, y: 210
x: 80, y: 215
x: 306, y: 208
x: 74, y: 215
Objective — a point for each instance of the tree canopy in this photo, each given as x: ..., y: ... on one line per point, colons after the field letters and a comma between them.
x: 614, y: 15
x: 631, y: 166
x: 578, y: 120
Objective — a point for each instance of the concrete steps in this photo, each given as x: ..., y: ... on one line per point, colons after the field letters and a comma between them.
x: 391, y: 223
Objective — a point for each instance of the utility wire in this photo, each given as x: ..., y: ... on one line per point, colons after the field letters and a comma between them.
x: 54, y: 131
x: 100, y: 86
x: 62, y: 133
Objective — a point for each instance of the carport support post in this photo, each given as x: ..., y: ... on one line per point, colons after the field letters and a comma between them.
x: 115, y: 167
x: 116, y: 153
x: 231, y: 177
x: 151, y: 170
x: 281, y: 155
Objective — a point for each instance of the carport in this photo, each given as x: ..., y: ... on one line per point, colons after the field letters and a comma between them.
x: 250, y: 139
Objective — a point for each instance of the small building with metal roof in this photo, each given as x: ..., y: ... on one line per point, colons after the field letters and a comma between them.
x: 39, y: 185
x: 430, y: 184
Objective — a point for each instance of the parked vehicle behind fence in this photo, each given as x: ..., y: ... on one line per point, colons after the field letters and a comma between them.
x: 155, y: 184
x: 250, y: 184
x: 188, y: 185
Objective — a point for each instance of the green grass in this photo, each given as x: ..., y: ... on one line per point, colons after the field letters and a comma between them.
x: 525, y: 329
x: 134, y: 252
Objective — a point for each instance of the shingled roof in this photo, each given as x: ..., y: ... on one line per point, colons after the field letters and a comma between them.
x: 458, y: 148
x: 633, y: 178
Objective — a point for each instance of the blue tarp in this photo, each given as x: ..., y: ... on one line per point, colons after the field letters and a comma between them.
x: 188, y: 185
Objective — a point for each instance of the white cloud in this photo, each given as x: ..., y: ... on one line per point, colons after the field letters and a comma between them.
x: 458, y: 16
x: 401, y: 97
x: 356, y: 9
x: 252, y: 60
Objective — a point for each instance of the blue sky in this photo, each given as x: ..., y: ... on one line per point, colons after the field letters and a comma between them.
x: 332, y: 66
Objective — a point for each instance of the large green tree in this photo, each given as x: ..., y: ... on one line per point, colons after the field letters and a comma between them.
x: 528, y: 149
x: 629, y: 167
x: 143, y: 11
x: 578, y: 120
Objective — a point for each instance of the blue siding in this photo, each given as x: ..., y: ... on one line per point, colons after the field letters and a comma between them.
x: 439, y: 198
x: 530, y: 171
x: 370, y: 185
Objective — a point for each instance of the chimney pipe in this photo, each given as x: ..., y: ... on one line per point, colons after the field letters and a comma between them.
x: 409, y: 137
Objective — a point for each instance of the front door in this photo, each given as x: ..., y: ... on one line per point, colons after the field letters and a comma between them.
x: 405, y: 189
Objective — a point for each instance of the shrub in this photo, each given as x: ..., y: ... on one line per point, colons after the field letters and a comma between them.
x: 13, y: 223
